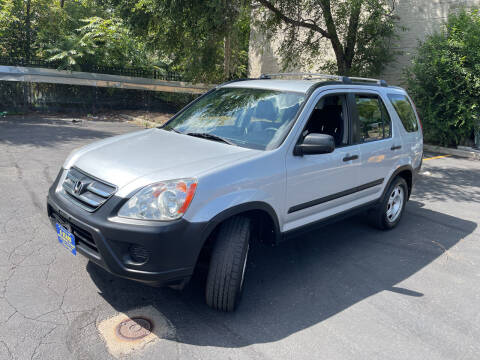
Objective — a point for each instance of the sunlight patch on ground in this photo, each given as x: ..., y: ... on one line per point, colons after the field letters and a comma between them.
x: 119, y: 346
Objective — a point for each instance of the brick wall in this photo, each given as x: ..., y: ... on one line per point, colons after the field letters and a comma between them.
x: 420, y: 17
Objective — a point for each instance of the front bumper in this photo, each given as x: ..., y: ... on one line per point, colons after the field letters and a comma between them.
x: 152, y: 252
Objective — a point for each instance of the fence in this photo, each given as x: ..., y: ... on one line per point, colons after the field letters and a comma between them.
x: 24, y: 89
x: 22, y: 97
x: 159, y: 73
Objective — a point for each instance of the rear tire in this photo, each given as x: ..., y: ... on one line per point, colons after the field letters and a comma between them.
x: 389, y: 212
x: 227, y: 264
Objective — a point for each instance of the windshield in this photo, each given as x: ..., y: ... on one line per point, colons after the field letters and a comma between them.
x: 253, y: 118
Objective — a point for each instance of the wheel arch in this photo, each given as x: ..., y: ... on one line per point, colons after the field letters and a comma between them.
x: 251, y: 209
x: 406, y: 172
x: 261, y: 214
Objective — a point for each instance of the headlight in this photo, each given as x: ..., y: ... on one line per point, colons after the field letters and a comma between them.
x: 166, y: 200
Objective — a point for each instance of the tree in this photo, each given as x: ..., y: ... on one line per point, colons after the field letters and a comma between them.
x: 19, y: 24
x: 444, y: 80
x: 359, y: 32
x: 205, y: 40
x: 70, y: 52
x: 101, y: 42
x: 29, y: 27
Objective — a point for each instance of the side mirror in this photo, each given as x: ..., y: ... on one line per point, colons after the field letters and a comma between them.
x: 315, y: 144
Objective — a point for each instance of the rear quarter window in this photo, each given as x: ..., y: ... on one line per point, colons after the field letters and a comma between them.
x: 405, y: 111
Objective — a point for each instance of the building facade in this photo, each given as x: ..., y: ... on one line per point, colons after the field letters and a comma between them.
x: 419, y: 17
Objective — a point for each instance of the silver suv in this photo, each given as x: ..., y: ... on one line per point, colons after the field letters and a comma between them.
x: 252, y: 160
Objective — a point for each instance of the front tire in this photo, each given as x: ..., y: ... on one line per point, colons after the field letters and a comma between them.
x: 227, y: 264
x: 389, y: 213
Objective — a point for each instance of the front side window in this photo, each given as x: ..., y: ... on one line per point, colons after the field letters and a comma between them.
x: 405, y: 111
x: 252, y: 118
x: 329, y: 117
x: 374, y: 122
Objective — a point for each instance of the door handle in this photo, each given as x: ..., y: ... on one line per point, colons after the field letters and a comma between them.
x: 396, y: 147
x: 349, y: 158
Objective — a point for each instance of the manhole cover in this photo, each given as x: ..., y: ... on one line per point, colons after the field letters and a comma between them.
x: 134, y: 328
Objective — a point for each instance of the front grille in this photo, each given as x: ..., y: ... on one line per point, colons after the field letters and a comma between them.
x: 85, y: 190
x: 82, y: 236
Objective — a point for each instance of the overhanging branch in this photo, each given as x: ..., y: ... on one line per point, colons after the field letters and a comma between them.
x: 294, y: 22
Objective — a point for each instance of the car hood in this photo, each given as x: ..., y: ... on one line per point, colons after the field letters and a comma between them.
x: 153, y: 155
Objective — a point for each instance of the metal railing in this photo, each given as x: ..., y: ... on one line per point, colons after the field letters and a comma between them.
x: 78, y: 78
x: 148, y: 73
x: 23, y: 89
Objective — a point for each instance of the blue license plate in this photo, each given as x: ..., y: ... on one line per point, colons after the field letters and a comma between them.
x: 66, y: 238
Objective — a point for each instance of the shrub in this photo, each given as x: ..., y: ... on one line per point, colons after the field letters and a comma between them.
x: 444, y: 80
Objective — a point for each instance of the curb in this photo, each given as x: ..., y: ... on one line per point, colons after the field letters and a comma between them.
x: 139, y: 121
x: 130, y: 118
x: 470, y: 154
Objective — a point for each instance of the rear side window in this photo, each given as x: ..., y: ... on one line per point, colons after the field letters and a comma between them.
x: 405, y: 111
x: 373, y: 120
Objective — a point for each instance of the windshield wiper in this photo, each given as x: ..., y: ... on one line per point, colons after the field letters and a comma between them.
x: 172, y: 129
x: 211, y: 137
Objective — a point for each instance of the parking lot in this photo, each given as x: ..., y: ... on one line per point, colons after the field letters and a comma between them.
x: 345, y: 291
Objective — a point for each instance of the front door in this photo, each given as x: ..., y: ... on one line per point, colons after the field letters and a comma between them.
x: 319, y: 186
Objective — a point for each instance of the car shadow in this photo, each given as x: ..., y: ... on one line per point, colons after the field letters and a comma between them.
x: 301, y: 282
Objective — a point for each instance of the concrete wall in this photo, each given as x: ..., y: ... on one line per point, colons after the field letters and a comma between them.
x: 420, y: 17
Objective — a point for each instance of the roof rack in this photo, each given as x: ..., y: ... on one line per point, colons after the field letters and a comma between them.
x: 312, y: 76
x: 306, y: 76
x: 375, y: 81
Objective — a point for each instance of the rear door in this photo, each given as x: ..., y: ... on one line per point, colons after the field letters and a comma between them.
x: 374, y: 135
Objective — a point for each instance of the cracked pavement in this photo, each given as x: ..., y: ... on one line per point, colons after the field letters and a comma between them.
x: 345, y: 291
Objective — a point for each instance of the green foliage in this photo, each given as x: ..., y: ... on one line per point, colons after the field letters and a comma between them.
x: 70, y: 51
x: 19, y: 26
x: 203, y: 40
x: 376, y: 33
x: 72, y: 35
x: 444, y: 80
x: 99, y: 41
x: 359, y: 31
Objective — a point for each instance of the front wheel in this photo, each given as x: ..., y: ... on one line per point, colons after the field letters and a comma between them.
x: 388, y: 214
x: 228, y: 262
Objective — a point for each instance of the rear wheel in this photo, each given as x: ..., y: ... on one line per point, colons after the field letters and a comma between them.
x: 388, y: 214
x: 227, y: 264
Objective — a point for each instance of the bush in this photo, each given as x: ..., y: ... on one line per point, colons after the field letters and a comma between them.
x: 444, y: 80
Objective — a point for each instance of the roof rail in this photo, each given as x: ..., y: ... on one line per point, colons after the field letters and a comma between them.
x: 376, y: 81
x: 311, y: 76
x: 306, y: 76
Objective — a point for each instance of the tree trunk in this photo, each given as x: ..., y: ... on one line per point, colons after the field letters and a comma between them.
x: 227, y: 58
x: 28, y: 31
x: 342, y: 65
x: 351, y: 39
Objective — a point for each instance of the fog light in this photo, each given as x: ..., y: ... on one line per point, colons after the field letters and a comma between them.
x: 139, y: 254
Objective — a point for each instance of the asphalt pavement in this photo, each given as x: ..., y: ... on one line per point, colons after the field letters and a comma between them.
x: 345, y: 291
